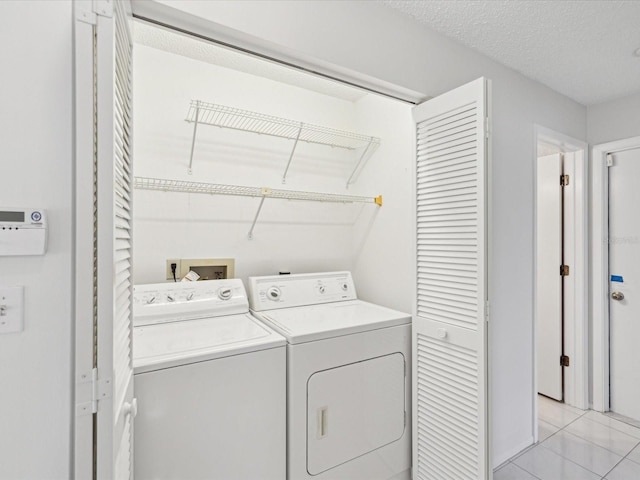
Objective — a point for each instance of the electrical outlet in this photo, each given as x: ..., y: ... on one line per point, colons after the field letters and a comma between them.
x: 178, y: 263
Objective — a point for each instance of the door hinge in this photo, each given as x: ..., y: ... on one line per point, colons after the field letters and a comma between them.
x: 564, y: 360
x: 564, y: 270
x: 609, y: 160
x: 84, y: 12
x: 487, y: 310
x: 487, y: 127
x: 564, y: 180
x: 103, y: 7
x: 95, y: 390
x: 405, y: 418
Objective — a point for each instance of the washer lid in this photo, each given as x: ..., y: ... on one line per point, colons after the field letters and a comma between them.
x: 172, y: 344
x: 317, y: 322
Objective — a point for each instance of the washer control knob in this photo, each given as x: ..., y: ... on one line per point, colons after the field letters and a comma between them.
x: 345, y: 287
x: 273, y: 294
x: 321, y: 289
x: 225, y: 293
x: 151, y: 300
x: 170, y: 298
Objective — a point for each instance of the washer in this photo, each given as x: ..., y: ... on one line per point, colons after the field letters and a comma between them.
x: 210, y: 382
x: 348, y: 377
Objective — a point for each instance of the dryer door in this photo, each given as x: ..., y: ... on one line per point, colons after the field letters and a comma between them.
x: 353, y: 410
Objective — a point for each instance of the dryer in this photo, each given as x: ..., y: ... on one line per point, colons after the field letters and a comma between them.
x: 348, y: 377
x: 210, y: 384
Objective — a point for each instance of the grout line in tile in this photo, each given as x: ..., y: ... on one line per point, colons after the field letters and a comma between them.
x: 530, y: 447
x: 623, y: 458
x: 622, y: 419
x: 525, y: 470
x: 579, y: 464
x: 610, y: 428
x: 617, y: 420
x: 552, y: 435
x: 559, y: 429
x: 597, y: 445
x: 502, y: 465
x: 569, y: 460
x: 613, y: 468
x: 582, y: 438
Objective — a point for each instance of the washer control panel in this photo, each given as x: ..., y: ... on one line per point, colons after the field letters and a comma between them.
x: 170, y: 302
x: 283, y: 291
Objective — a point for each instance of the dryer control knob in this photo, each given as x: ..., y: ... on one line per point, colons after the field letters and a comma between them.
x: 345, y: 287
x: 225, y: 293
x: 273, y: 293
x: 321, y: 289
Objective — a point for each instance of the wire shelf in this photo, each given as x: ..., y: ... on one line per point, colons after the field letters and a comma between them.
x: 166, y: 185
x: 203, y: 113
x: 248, y: 121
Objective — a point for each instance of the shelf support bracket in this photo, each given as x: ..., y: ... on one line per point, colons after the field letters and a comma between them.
x: 293, y: 150
x: 265, y: 192
x: 362, y: 157
x: 193, y: 140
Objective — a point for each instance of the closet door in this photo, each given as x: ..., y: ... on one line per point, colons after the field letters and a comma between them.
x: 113, y: 247
x: 450, y: 374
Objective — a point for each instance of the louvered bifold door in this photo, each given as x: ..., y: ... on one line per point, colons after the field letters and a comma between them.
x: 449, y: 331
x: 116, y: 405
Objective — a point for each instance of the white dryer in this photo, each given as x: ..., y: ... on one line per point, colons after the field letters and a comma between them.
x: 348, y: 377
x: 210, y: 384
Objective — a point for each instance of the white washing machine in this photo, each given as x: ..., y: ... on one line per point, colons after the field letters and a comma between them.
x: 348, y: 377
x: 210, y: 382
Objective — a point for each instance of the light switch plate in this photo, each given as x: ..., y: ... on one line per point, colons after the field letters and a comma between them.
x: 11, y: 309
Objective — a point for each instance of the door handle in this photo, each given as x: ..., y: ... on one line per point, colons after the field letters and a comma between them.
x: 131, y: 408
x: 322, y: 422
x: 617, y: 296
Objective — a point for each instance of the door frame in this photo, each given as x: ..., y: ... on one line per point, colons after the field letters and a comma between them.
x: 83, y: 427
x: 600, y: 255
x: 576, y: 392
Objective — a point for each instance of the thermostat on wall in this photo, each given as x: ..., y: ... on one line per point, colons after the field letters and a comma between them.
x: 23, y: 231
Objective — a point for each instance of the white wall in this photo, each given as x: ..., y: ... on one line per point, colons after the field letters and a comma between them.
x: 383, y: 237
x: 614, y: 120
x: 292, y: 236
x: 368, y: 38
x: 36, y: 156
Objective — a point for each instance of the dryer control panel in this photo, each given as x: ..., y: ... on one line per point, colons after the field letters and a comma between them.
x: 284, y: 291
x: 171, y: 302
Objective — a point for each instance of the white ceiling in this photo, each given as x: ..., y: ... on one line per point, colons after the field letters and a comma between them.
x: 581, y: 48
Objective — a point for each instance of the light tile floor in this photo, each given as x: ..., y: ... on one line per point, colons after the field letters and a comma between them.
x: 576, y: 445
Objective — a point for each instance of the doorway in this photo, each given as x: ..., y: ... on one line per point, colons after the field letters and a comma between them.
x: 553, y: 233
x: 616, y: 265
x: 560, y: 339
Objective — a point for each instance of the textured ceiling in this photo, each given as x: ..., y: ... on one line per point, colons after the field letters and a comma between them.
x: 583, y: 49
x: 172, y: 42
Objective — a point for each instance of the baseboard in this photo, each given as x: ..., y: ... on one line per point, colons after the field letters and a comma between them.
x: 512, y: 453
